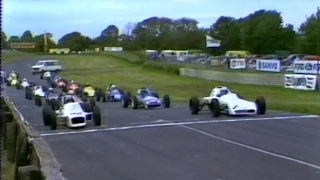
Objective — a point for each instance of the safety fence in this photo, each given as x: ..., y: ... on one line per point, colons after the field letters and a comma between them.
x: 30, y: 154
x: 293, y: 81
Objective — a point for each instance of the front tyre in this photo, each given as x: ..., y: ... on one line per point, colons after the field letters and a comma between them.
x: 215, y: 108
x: 194, y: 105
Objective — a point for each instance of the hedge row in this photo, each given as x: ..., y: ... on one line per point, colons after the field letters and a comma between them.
x: 145, y: 63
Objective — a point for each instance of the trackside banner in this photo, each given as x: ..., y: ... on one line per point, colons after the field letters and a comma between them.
x: 300, y: 81
x: 112, y: 48
x: 306, y: 67
x: 270, y: 65
x: 237, y: 63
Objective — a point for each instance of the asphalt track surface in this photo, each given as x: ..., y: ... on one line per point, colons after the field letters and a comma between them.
x: 171, y: 144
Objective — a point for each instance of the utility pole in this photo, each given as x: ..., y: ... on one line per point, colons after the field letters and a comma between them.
x: 45, y: 47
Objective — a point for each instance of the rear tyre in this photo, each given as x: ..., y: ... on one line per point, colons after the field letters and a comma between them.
x: 134, y: 103
x: 96, y: 116
x: 45, y: 115
x: 166, y: 101
x: 261, y: 105
x: 194, y: 105
x: 125, y: 101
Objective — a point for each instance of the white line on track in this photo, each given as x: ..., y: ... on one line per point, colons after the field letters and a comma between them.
x: 252, y: 148
x: 177, y: 124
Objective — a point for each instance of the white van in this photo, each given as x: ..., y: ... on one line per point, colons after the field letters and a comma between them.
x: 46, y: 65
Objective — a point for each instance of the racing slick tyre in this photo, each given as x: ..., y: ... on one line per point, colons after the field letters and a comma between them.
x: 27, y: 94
x: 46, y: 115
x: 8, y: 83
x: 96, y: 114
x: 129, y: 94
x: 135, y: 102
x: 194, y: 105
x: 86, y: 107
x: 125, y: 101
x: 261, y: 105
x: 103, y: 96
x: 54, y: 104
x: 18, y: 85
x: 38, y: 100
x: 166, y: 101
x: 215, y: 108
x: 92, y: 101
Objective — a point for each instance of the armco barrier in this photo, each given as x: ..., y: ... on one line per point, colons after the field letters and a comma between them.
x: 30, y: 154
x: 242, y: 78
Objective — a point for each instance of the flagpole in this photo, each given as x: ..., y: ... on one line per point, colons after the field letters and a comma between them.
x: 45, y: 42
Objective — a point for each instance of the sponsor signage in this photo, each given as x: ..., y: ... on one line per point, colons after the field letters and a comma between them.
x: 300, y: 81
x: 22, y: 45
x: 211, y: 42
x: 306, y: 67
x: 237, y: 63
x: 113, y: 49
x: 272, y: 65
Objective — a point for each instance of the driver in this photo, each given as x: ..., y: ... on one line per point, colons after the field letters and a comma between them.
x: 142, y: 91
x: 68, y: 98
x: 47, y: 74
x: 223, y: 91
x: 13, y: 75
x: 111, y: 87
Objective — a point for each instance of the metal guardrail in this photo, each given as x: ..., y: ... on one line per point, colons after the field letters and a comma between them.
x: 242, y: 78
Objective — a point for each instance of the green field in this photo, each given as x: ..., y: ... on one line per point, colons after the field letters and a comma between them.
x: 112, y: 69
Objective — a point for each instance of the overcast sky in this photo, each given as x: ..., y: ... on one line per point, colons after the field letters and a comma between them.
x: 90, y: 17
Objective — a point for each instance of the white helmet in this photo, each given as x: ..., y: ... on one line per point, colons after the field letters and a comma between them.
x: 50, y: 89
x: 112, y: 86
x: 24, y: 79
x: 72, y: 81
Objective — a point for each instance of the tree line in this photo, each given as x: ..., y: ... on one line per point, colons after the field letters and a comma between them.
x: 260, y: 32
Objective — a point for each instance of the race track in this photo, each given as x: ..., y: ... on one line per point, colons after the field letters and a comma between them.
x: 171, y: 144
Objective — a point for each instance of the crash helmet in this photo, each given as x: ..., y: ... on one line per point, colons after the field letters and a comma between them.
x: 72, y: 81
x: 224, y: 91
x: 87, y: 85
x: 24, y: 79
x: 70, y: 91
x: 12, y: 71
x: 112, y: 86
x: 50, y: 89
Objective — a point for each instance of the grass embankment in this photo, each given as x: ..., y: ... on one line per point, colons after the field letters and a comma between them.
x: 125, y: 69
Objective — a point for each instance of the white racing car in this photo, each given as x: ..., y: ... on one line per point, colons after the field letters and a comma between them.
x: 72, y: 113
x: 222, y: 100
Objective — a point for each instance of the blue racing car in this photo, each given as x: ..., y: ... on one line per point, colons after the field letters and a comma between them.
x: 112, y: 93
x: 146, y: 98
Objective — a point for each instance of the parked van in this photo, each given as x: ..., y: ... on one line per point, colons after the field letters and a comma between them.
x: 46, y: 65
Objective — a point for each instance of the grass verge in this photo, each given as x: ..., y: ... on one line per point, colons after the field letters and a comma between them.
x: 7, y: 169
x: 131, y: 76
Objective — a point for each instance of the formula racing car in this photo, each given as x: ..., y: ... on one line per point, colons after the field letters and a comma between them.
x: 112, y: 93
x: 71, y: 112
x: 222, y: 100
x: 147, y: 99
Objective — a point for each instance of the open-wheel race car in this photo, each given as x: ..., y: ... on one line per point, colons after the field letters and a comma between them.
x: 145, y: 98
x: 72, y: 112
x: 38, y: 92
x: 113, y: 93
x: 222, y: 100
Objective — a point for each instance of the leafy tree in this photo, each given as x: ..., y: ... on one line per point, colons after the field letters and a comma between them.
x: 27, y: 36
x: 109, y: 36
x: 309, y: 39
x: 75, y: 41
x: 4, y: 43
x: 39, y: 41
